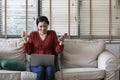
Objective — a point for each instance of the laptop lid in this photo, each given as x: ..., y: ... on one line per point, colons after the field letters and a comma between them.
x: 42, y: 59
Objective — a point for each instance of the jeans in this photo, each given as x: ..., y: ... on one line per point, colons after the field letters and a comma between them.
x: 43, y: 72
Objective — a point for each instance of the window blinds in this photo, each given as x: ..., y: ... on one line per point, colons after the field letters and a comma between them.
x: 102, y: 26
x: 16, y: 16
x: 62, y: 15
x: 84, y: 18
x: 1, y: 17
x: 16, y: 12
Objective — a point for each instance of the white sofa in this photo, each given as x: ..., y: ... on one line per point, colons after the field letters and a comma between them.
x: 13, y: 49
x: 86, y: 60
x: 80, y: 60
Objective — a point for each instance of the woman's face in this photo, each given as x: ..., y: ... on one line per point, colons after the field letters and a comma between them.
x: 42, y: 27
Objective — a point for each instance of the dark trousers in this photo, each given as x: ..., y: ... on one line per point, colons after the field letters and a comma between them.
x: 43, y: 72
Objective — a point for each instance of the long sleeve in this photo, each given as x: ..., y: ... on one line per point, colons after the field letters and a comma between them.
x: 58, y: 48
x: 28, y: 47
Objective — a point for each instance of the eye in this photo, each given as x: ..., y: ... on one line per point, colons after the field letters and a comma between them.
x: 41, y: 26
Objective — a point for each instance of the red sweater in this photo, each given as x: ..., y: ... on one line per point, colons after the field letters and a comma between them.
x: 48, y: 46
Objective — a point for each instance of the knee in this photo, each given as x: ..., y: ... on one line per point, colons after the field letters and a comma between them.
x: 41, y: 68
x: 37, y: 69
x: 49, y: 69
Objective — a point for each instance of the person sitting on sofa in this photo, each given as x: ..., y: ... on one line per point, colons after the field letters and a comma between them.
x: 43, y: 41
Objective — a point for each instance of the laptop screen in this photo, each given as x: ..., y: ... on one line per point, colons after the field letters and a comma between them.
x: 42, y: 59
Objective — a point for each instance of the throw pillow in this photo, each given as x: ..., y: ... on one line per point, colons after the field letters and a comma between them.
x: 12, y: 64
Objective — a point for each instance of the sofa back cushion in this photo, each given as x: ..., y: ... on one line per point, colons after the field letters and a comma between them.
x: 78, y: 53
x: 12, y: 49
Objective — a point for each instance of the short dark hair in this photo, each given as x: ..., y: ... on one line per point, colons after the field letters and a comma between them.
x: 42, y: 19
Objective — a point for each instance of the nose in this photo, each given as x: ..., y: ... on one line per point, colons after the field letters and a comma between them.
x: 43, y: 28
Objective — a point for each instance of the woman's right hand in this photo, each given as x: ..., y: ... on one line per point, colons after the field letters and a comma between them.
x: 24, y: 36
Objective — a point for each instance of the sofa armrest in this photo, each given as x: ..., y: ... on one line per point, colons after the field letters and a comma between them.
x: 107, y: 61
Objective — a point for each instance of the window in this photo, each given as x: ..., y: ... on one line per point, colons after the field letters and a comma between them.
x: 91, y: 19
x: 17, y: 12
x: 62, y: 15
x: 102, y: 20
x: 0, y: 16
x: 83, y: 18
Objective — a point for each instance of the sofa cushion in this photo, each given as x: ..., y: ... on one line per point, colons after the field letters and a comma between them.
x: 9, y: 75
x: 79, y: 53
x: 12, y: 64
x: 80, y: 74
x: 25, y: 75
x: 12, y: 49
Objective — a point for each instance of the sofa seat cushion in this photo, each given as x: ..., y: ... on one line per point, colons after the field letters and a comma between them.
x: 9, y: 75
x: 17, y: 75
x: 80, y: 73
x: 25, y: 75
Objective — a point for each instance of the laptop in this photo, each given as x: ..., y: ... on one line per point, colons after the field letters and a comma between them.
x: 42, y: 59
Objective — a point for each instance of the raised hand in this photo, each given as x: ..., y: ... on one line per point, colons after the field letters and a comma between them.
x: 61, y: 38
x: 24, y: 36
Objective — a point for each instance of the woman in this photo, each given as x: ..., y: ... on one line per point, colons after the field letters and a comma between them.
x: 43, y: 41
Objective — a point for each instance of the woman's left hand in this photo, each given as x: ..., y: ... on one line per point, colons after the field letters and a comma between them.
x: 61, y: 38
